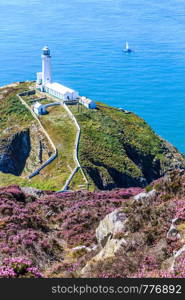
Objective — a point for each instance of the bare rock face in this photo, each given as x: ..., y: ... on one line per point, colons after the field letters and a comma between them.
x: 14, y: 152
x: 33, y: 191
x: 112, y: 224
x: 111, y: 248
x: 23, y: 150
x: 107, y: 235
x: 173, y: 233
x: 144, y: 196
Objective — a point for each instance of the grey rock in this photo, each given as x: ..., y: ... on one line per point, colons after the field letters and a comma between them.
x: 113, y: 223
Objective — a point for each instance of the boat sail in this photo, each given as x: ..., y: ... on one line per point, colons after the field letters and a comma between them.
x: 127, y: 48
x: 126, y: 45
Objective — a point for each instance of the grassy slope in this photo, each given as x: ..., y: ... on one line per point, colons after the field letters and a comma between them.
x: 11, y: 112
x: 62, y: 131
x: 105, y: 132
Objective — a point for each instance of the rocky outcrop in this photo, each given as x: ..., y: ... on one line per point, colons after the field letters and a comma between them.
x: 147, y: 163
x: 110, y: 226
x: 144, y: 238
x: 14, y: 151
x: 110, y: 239
x: 108, y: 178
x: 144, y: 196
x: 149, y: 166
x: 33, y: 191
x: 22, y: 151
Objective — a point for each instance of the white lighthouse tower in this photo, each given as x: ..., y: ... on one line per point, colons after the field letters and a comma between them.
x: 44, y: 77
x: 46, y: 66
x: 44, y: 81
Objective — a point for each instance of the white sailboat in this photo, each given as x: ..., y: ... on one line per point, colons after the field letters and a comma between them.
x: 127, y: 48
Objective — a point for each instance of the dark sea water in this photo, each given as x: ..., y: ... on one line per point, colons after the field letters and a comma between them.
x: 86, y: 38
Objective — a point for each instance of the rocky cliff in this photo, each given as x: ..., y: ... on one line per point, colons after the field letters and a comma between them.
x: 14, y: 151
x: 23, y: 150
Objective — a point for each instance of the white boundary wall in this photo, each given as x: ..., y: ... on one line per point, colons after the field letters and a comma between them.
x: 37, y: 171
x: 75, y: 152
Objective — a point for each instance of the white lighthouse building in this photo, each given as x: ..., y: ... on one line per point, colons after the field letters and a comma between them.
x: 45, y: 84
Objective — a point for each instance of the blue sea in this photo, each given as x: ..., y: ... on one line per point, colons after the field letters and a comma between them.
x: 86, y: 38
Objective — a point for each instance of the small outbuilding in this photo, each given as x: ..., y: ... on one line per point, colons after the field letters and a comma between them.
x: 39, y: 109
x: 87, y: 102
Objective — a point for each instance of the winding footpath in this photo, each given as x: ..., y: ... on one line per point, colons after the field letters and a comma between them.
x: 77, y: 139
x: 75, y: 152
x: 37, y: 171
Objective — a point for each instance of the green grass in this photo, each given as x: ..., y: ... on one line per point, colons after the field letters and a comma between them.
x: 12, y: 112
x: 78, y: 183
x: 110, y: 143
x: 105, y: 134
x: 62, y: 132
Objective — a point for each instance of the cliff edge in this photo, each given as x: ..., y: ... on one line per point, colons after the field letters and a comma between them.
x: 117, y: 148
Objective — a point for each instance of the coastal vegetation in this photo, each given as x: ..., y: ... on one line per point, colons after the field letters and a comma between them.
x: 116, y: 149
x: 12, y: 112
x: 136, y: 229
x: 62, y: 131
x: 119, y: 233
x: 119, y: 149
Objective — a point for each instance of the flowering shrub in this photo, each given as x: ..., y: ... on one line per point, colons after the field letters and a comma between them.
x: 18, y: 267
x: 179, y: 266
x: 36, y: 234
x: 7, y: 272
x: 61, y: 270
x: 37, y: 228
